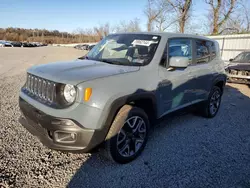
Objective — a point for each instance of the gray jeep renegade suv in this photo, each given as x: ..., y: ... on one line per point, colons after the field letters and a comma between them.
x: 114, y: 94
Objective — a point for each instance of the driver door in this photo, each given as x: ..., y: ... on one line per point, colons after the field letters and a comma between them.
x: 175, y: 88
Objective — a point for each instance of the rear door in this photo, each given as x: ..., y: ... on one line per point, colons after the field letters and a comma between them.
x: 203, y: 69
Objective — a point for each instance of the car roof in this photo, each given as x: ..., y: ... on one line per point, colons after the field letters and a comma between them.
x: 169, y: 34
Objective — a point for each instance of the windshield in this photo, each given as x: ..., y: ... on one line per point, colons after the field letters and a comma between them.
x: 125, y: 49
x: 243, y: 57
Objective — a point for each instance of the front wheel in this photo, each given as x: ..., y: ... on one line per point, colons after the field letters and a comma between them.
x: 211, y: 107
x: 128, y: 134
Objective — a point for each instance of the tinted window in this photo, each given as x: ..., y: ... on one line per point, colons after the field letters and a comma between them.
x: 202, y: 51
x: 243, y: 57
x: 180, y: 48
x: 212, y: 50
x: 248, y: 57
x: 164, y: 57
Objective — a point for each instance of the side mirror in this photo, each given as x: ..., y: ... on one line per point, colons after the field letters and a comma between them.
x: 180, y: 62
x: 231, y: 59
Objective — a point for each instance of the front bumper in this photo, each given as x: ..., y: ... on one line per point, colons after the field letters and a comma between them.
x: 57, y: 133
x: 238, y: 79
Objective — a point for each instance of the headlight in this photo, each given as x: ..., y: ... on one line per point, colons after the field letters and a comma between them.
x: 69, y: 93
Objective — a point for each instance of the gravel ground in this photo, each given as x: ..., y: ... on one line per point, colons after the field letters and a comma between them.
x: 183, y: 150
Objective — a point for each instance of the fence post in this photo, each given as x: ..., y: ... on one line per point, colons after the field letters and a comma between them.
x: 222, y: 48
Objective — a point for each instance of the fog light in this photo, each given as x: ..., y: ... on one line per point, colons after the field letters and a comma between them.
x: 63, y: 122
x: 73, y: 136
x: 64, y: 137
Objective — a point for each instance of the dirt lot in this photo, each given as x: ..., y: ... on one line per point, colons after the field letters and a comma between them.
x: 183, y: 151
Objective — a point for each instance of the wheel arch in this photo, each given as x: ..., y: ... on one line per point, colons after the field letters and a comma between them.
x: 110, y: 111
x: 145, y: 100
x: 219, y: 81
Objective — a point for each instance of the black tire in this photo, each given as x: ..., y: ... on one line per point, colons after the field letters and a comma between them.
x: 121, y: 127
x: 205, y: 108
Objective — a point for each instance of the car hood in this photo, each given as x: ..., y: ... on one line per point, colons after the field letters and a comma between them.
x: 78, y: 71
x: 239, y: 66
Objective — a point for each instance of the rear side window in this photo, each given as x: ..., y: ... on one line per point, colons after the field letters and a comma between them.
x: 202, y: 51
x: 213, y: 51
x: 205, y: 51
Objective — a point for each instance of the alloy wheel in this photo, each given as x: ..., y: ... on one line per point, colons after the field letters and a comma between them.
x: 131, y: 137
x: 214, y: 102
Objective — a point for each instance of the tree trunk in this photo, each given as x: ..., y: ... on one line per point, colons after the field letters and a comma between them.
x: 160, y: 26
x: 149, y: 25
x: 184, y: 10
x: 215, y: 21
x: 218, y: 19
x: 182, y: 24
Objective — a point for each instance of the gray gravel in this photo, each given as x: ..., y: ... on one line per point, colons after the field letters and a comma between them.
x: 183, y: 151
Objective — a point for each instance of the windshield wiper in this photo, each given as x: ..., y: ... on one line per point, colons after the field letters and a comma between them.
x: 110, y: 62
x: 119, y: 63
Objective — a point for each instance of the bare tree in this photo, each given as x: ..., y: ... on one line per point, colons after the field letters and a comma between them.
x: 160, y: 15
x: 234, y: 24
x: 166, y: 17
x: 134, y: 25
x: 152, y: 11
x: 239, y: 21
x: 220, y: 12
x: 131, y: 26
x: 182, y: 9
x: 102, y: 30
x: 160, y: 20
x: 246, y: 14
x: 165, y: 20
x: 79, y: 34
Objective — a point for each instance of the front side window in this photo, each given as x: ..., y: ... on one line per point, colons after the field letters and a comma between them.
x: 125, y: 49
x: 202, y: 51
x: 180, y: 48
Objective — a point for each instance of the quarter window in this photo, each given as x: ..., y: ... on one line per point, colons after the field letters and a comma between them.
x: 202, y: 51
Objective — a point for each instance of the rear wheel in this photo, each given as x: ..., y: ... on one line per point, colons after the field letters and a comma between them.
x: 211, y: 107
x: 128, y: 134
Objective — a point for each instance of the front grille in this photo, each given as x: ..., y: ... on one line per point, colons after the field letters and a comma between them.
x: 233, y: 72
x: 40, y: 88
x: 244, y: 73
x: 239, y: 72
